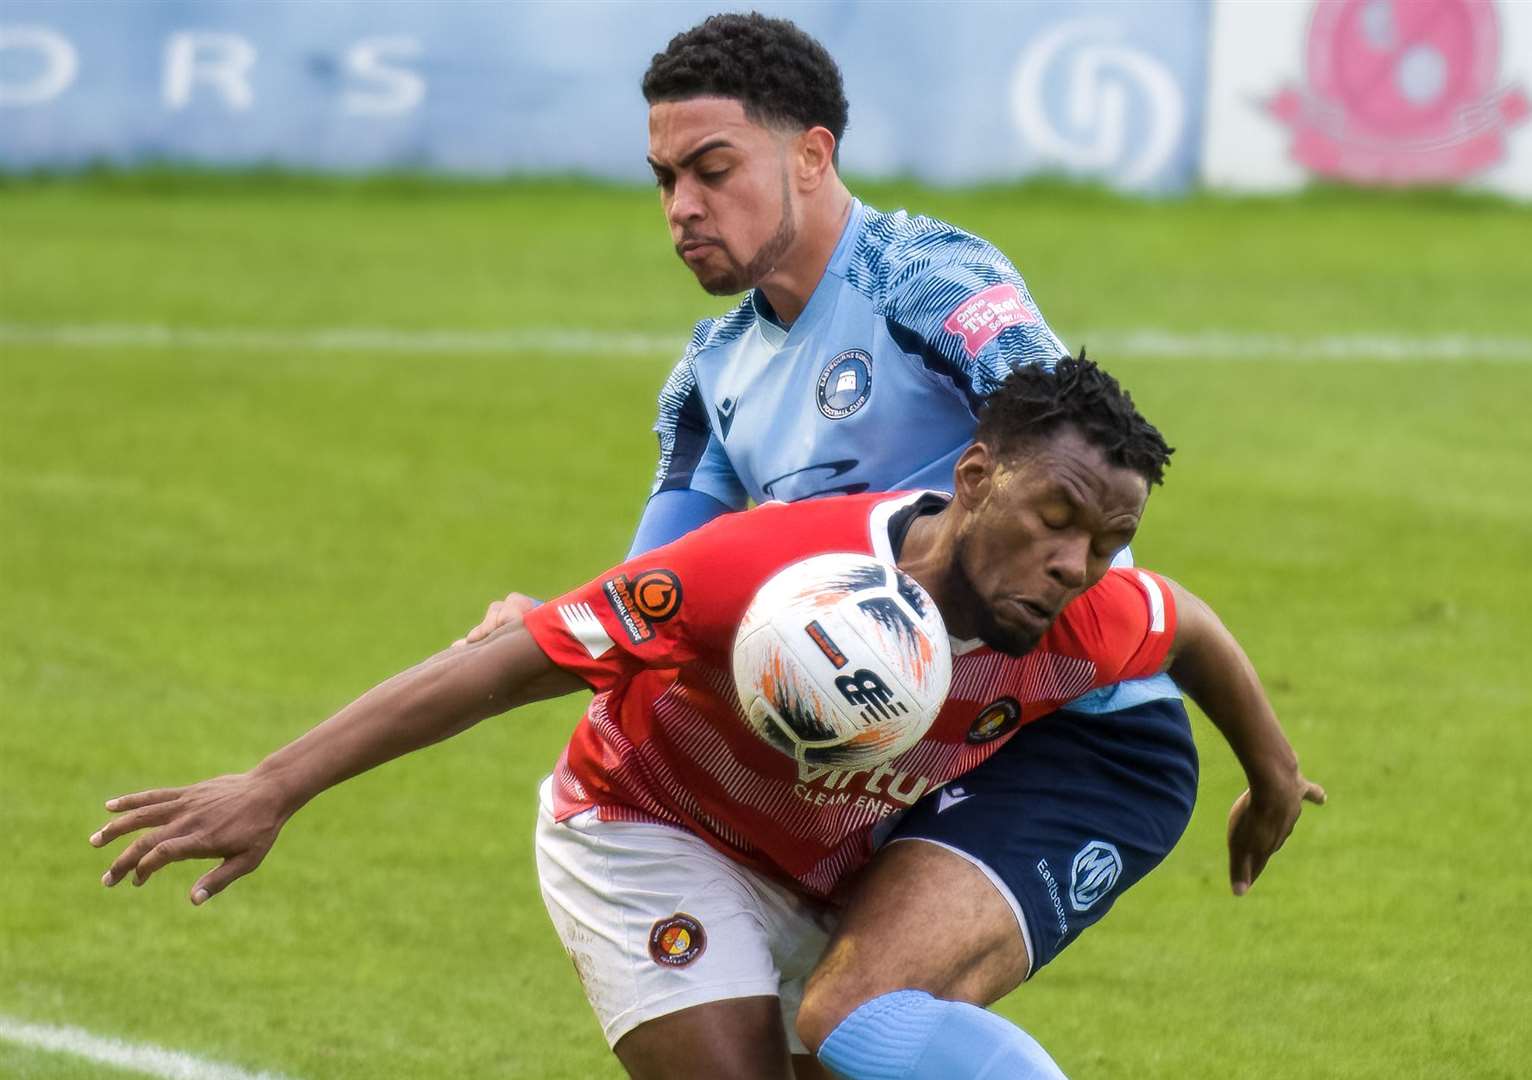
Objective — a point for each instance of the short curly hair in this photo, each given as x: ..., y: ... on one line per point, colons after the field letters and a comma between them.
x: 777, y: 72
x: 1036, y: 400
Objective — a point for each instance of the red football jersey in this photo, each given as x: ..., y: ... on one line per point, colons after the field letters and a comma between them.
x: 665, y: 738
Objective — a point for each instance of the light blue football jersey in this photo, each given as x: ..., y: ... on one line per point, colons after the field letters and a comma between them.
x: 876, y: 386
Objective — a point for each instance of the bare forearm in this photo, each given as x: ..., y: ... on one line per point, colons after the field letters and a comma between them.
x: 433, y: 700
x: 1212, y: 668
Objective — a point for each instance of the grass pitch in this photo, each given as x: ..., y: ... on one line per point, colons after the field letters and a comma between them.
x: 206, y: 549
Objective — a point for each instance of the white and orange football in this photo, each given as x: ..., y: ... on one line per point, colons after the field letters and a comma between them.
x: 842, y: 661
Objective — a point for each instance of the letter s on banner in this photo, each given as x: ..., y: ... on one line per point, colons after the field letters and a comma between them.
x: 60, y: 65
x: 394, y: 89
x: 221, y: 60
x: 1098, y: 74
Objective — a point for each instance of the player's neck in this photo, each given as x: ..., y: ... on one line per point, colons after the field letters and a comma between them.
x: 927, y: 555
x: 791, y: 283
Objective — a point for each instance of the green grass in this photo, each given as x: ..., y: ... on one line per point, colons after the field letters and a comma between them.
x: 202, y: 553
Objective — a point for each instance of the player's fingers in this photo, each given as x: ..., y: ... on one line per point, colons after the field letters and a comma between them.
x: 518, y: 604
x: 143, y: 798
x: 132, y: 821
x: 162, y: 854
x: 135, y: 851
x: 221, y: 876
x: 1314, y: 794
x: 1240, y: 876
x: 491, y: 620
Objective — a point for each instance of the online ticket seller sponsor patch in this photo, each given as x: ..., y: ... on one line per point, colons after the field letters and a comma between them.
x: 980, y: 318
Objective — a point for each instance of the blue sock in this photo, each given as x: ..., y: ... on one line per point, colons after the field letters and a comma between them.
x: 910, y: 1035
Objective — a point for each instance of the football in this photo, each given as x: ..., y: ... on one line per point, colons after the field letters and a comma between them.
x: 842, y: 661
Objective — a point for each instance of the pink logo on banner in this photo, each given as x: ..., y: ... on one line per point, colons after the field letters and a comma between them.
x: 981, y: 317
x: 1401, y: 91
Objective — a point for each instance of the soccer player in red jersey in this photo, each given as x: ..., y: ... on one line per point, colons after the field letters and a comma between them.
x: 690, y: 870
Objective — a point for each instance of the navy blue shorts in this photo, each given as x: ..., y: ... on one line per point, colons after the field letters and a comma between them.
x: 1068, y: 814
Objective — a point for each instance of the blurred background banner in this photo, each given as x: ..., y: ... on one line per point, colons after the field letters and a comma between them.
x: 1371, y: 92
x: 946, y: 92
x: 1144, y: 97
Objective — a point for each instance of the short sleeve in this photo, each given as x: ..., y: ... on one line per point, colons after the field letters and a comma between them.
x: 971, y: 320
x: 661, y: 609
x: 1125, y: 624
x: 691, y: 455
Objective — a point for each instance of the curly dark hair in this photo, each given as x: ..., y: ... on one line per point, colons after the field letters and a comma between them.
x: 1035, y: 401
x: 776, y: 71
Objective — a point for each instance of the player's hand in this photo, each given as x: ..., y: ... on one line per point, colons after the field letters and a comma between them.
x: 1260, y: 820
x: 235, y: 818
x: 497, y: 615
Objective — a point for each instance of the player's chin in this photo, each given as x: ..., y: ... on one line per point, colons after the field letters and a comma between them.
x: 719, y: 281
x: 1008, y: 639
x: 722, y: 286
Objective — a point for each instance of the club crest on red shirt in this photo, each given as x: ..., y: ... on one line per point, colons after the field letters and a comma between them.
x: 996, y: 718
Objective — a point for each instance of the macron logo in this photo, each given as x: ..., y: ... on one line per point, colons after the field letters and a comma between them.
x: 950, y: 797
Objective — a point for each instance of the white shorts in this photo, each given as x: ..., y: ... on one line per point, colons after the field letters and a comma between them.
x: 657, y: 921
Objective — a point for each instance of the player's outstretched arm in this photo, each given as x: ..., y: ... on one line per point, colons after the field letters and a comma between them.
x: 1209, y: 665
x: 236, y: 818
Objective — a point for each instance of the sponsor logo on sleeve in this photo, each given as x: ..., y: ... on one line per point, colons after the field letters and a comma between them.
x: 994, y: 720
x: 581, y: 621
x: 1095, y: 870
x: 640, y: 602
x: 979, y: 319
x: 677, y: 941
x: 657, y: 594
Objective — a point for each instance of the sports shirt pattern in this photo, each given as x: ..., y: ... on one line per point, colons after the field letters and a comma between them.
x: 665, y: 739
x: 876, y: 385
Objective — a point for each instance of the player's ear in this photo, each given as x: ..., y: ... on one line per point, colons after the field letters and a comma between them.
x: 815, y: 157
x: 973, y: 476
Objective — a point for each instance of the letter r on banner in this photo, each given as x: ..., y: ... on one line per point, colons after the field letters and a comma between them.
x: 220, y: 60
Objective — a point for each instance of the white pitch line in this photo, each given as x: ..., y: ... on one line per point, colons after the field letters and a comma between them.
x: 149, y: 1060
x: 323, y: 339
x: 1146, y: 342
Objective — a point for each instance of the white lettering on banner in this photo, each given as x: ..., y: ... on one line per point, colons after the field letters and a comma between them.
x: 1099, y: 75
x: 219, y: 60
x: 395, y: 89
x: 60, y: 65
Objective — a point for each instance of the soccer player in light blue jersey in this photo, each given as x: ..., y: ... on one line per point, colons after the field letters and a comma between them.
x: 857, y: 361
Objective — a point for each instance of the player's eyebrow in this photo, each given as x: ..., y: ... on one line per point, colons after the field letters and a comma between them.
x: 710, y: 145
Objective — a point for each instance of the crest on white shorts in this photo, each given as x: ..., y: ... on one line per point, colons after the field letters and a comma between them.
x: 676, y: 941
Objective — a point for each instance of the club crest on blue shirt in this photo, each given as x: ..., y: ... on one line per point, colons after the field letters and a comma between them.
x: 845, y: 384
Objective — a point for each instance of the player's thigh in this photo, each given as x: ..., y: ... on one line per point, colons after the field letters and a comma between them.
x: 659, y: 925
x: 734, y: 1039
x: 1038, y: 842
x: 920, y: 918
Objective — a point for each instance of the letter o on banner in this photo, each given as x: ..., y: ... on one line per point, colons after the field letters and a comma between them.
x: 60, y: 65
